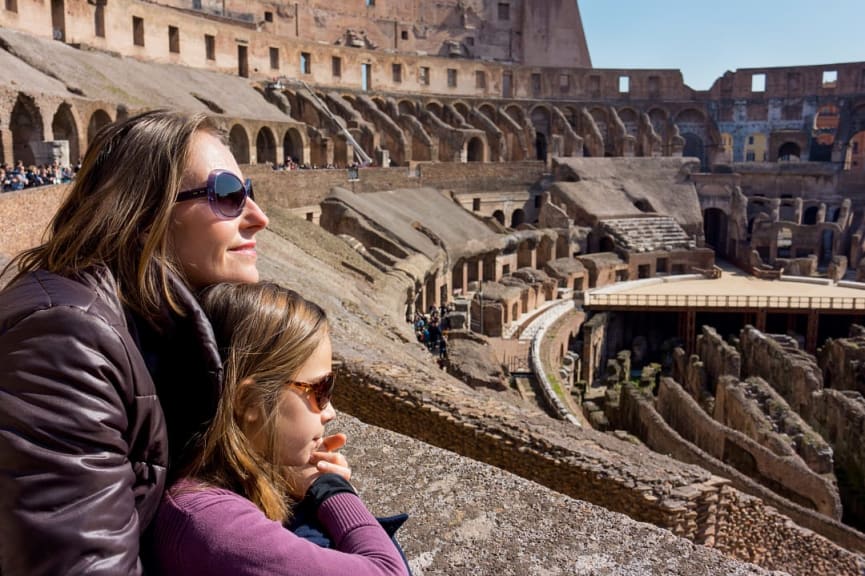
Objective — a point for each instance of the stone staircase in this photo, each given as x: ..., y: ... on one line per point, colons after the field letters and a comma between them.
x: 647, y: 234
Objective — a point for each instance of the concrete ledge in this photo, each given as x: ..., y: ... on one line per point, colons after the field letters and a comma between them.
x: 630, y: 285
x: 807, y: 280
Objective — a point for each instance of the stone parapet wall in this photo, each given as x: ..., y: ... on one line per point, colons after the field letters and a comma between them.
x: 581, y: 472
x: 305, y: 188
x: 785, y: 474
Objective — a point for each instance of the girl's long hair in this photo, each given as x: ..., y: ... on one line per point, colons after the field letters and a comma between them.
x: 118, y: 211
x: 265, y: 334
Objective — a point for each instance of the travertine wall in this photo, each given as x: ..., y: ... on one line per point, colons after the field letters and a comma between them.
x: 778, y: 360
x: 843, y: 363
x: 786, y: 474
x: 755, y: 409
x: 739, y: 521
x: 306, y: 188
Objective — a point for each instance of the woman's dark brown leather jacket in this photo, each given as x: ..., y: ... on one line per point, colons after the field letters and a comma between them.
x: 83, y: 435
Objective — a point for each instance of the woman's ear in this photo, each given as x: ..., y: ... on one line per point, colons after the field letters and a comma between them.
x: 247, y: 412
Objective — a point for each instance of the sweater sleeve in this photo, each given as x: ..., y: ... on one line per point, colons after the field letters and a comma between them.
x: 66, y: 489
x: 210, y: 531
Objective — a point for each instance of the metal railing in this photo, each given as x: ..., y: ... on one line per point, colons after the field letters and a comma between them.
x: 725, y: 301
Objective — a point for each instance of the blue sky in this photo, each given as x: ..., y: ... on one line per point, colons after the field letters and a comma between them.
x: 703, y: 39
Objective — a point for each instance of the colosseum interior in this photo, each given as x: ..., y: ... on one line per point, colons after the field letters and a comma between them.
x: 652, y: 295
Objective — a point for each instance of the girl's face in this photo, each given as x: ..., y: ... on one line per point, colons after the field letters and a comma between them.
x: 299, y: 421
x: 210, y: 249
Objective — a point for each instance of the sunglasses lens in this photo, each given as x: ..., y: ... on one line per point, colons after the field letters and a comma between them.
x: 229, y: 194
x: 324, y: 390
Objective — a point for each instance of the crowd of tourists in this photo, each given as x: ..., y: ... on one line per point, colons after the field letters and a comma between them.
x: 19, y: 177
x: 430, y: 329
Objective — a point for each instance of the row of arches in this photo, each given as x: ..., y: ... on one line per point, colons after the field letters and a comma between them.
x: 27, y: 126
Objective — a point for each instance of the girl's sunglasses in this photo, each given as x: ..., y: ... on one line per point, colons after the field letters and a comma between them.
x: 226, y: 193
x: 321, y: 389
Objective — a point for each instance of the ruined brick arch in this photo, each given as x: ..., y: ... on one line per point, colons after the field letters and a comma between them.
x: 715, y: 229
x: 630, y: 118
x: 434, y: 108
x: 462, y: 108
x: 238, y: 142
x: 572, y: 115
x: 659, y: 118
x: 98, y: 120
x: 488, y: 110
x: 380, y: 103
x: 690, y: 115
x: 476, y: 150
x: 65, y: 127
x: 26, y: 126
x: 294, y: 145
x: 694, y: 147
x: 518, y: 217
x: 628, y: 114
x: 407, y: 107
x: 854, y: 152
x: 516, y: 113
x: 499, y: 216
x: 541, y: 119
x: 789, y: 151
x: 541, y: 116
x: 810, y: 214
x: 265, y: 146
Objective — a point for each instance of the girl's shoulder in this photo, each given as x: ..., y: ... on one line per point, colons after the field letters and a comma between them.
x: 192, y: 495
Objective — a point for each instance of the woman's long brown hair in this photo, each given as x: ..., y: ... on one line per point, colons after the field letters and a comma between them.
x: 118, y: 211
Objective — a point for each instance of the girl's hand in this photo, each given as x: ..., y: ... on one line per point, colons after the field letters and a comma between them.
x: 328, y: 460
x: 322, y: 461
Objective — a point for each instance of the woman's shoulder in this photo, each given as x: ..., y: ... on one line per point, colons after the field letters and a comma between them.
x: 92, y: 291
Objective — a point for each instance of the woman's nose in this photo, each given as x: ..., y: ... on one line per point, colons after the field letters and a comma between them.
x: 254, y: 216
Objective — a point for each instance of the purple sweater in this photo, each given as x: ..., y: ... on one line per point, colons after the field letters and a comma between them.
x: 211, y: 531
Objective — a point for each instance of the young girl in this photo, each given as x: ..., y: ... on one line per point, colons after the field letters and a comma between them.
x: 265, y: 450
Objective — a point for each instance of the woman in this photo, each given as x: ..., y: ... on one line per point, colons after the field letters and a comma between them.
x: 266, y: 450
x: 96, y: 315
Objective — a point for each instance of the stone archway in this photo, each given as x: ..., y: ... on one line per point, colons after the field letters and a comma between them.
x: 694, y: 147
x: 518, y: 217
x: 809, y: 217
x: 265, y: 146
x: 475, y: 150
x: 64, y: 128
x: 715, y: 229
x: 292, y: 146
x: 238, y: 142
x: 789, y: 152
x: 824, y: 132
x: 499, y: 216
x: 98, y: 120
x: 854, y: 158
x: 26, y: 127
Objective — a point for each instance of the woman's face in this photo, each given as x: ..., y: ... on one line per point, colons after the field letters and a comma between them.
x: 210, y: 249
x: 299, y: 420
